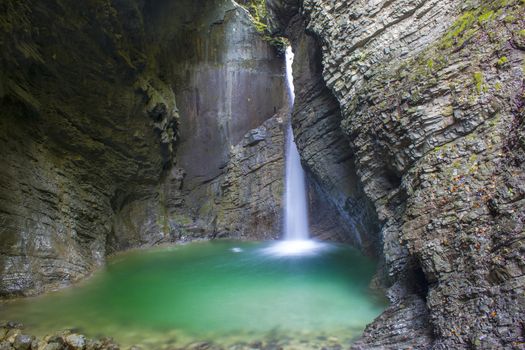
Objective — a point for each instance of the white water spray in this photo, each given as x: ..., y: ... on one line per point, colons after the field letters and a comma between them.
x: 295, y: 204
x: 296, y: 233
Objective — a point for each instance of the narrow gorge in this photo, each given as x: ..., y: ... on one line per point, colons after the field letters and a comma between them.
x: 143, y: 151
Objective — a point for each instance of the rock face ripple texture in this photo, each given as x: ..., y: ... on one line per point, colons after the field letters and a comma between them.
x: 431, y: 98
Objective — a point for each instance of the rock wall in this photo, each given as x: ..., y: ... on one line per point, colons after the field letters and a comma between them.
x: 96, y: 155
x: 431, y: 98
x: 227, y: 82
x: 67, y: 149
x: 324, y: 148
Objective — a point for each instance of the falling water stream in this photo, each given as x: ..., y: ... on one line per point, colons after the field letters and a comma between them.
x: 295, y: 204
x: 226, y: 292
x: 296, y: 237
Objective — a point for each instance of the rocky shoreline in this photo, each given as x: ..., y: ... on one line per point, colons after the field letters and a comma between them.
x: 14, y: 336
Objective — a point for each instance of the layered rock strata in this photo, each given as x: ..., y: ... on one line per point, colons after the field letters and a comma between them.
x: 228, y: 83
x: 431, y: 97
x: 95, y: 153
x: 67, y: 150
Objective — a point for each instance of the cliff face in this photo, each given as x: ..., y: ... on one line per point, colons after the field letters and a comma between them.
x: 132, y: 123
x: 431, y: 102
x: 228, y: 86
x: 129, y: 123
x: 227, y: 83
x: 97, y: 157
x: 66, y: 149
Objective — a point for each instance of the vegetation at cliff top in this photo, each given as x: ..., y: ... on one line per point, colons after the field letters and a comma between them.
x: 259, y: 16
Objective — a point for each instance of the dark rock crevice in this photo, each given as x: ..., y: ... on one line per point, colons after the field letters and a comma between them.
x: 324, y: 148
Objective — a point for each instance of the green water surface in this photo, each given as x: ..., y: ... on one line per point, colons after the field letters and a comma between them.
x: 213, y: 289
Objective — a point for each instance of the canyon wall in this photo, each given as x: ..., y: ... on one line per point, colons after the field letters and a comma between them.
x: 430, y: 96
x: 97, y: 156
x: 66, y: 147
x: 228, y: 82
x: 132, y: 123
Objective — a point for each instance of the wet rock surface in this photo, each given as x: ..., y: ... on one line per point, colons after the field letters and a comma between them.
x: 226, y: 179
x: 409, y: 118
x: 67, y: 149
x: 90, y: 131
x: 431, y: 97
x: 73, y: 340
x: 15, y: 338
x: 325, y: 149
x: 133, y: 124
x: 128, y: 125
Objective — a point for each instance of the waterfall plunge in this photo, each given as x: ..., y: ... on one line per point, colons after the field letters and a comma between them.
x: 295, y: 204
x: 296, y: 233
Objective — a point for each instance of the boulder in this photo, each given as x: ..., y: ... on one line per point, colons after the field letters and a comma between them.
x: 23, y: 342
x: 76, y: 341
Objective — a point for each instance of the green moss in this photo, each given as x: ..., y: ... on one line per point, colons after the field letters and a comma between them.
x: 494, y: 121
x: 471, y: 21
x: 479, y: 81
x: 430, y: 64
x: 509, y: 19
x: 502, y: 61
x: 448, y: 110
x: 522, y: 33
x: 464, y: 22
x: 259, y: 18
x: 485, y: 16
x: 498, y: 86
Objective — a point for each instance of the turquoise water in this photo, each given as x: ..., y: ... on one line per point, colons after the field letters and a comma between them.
x: 212, y: 290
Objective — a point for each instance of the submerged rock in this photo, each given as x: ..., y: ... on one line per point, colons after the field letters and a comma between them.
x: 53, y: 346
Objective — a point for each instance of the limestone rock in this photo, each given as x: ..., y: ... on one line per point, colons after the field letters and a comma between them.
x: 23, y: 342
x: 75, y: 341
x: 105, y: 131
x: 431, y: 101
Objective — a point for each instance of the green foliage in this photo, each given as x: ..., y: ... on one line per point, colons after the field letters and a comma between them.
x: 259, y: 18
x: 479, y: 81
x: 502, y: 61
x: 471, y: 21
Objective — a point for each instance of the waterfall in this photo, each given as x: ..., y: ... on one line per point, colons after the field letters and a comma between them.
x: 289, y: 77
x: 296, y: 232
x: 295, y: 204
